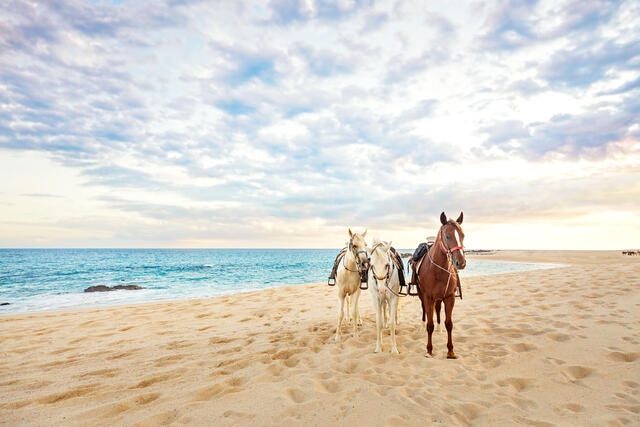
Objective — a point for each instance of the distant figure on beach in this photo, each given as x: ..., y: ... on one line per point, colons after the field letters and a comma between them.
x: 351, y: 269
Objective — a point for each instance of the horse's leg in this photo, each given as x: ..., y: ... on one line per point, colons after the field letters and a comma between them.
x: 424, y: 316
x: 393, y: 308
x: 379, y: 305
x: 438, y: 306
x: 429, y: 312
x: 356, y: 312
x: 385, y: 313
x: 395, y: 317
x: 341, y: 298
x: 448, y: 323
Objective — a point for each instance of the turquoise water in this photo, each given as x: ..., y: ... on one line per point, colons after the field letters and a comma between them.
x: 54, y: 279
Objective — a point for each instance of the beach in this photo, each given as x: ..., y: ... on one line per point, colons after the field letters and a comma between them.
x: 557, y: 346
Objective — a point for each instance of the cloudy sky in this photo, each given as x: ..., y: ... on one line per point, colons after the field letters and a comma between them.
x: 282, y: 123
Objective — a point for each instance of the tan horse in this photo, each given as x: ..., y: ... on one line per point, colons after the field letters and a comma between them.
x: 351, y: 272
x: 437, y: 277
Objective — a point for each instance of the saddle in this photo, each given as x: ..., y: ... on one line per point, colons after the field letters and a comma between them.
x: 416, y: 260
x: 332, y: 277
x: 334, y: 270
x: 397, y: 261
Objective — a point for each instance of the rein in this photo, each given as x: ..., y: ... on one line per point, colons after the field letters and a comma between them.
x: 448, y: 252
x: 361, y: 272
x: 355, y: 258
x: 387, y: 277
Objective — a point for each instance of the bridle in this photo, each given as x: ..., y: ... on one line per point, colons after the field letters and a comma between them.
x: 449, y: 253
x: 445, y: 249
x: 362, y: 271
x: 387, y: 277
x: 356, y: 253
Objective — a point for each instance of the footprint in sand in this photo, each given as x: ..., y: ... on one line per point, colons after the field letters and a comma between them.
x: 558, y: 337
x: 518, y: 384
x: 288, y: 358
x: 81, y: 391
x: 573, y: 407
x: 151, y: 381
x: 296, y: 395
x: 522, y: 347
x: 575, y: 373
x: 331, y: 386
x: 618, y: 356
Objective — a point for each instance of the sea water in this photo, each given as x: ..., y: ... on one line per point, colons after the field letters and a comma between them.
x: 34, y: 280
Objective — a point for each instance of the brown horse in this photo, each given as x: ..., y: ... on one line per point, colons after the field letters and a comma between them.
x: 437, y: 277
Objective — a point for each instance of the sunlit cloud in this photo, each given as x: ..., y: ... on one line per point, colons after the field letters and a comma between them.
x: 281, y: 124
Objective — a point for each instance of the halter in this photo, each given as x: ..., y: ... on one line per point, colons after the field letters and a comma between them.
x: 449, y: 252
x: 387, y: 277
x: 359, y: 270
x: 356, y: 253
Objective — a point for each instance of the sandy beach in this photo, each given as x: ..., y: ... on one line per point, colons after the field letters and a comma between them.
x: 557, y: 346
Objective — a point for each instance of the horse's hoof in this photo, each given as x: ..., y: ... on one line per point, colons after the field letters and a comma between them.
x: 395, y: 351
x: 452, y: 355
x: 428, y: 355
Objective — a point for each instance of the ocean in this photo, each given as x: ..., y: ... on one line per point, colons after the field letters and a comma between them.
x: 33, y: 280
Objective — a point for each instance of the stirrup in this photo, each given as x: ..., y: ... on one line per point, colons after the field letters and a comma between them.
x: 403, y: 290
x: 413, y: 289
x: 331, y: 282
x: 364, y: 285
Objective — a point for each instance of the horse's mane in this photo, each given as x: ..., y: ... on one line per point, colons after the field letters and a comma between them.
x: 377, y: 242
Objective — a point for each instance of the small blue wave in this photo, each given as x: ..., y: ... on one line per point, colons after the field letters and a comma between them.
x: 46, y: 279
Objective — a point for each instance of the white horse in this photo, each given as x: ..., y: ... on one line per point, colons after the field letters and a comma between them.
x: 384, y: 288
x: 351, y: 272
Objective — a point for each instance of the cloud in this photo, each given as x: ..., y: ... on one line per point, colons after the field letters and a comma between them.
x: 199, y: 122
x: 292, y: 11
x: 582, y: 66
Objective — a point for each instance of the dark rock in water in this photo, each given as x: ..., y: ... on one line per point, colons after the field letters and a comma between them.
x: 128, y: 287
x: 4, y: 303
x: 99, y: 288
x: 103, y: 288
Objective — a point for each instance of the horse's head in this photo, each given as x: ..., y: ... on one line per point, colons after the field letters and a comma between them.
x: 358, y: 246
x: 452, y: 240
x: 380, y: 267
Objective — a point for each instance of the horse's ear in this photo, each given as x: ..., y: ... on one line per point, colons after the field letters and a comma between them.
x: 459, y: 220
x: 365, y: 232
x: 387, y: 247
x: 350, y: 233
x: 443, y: 218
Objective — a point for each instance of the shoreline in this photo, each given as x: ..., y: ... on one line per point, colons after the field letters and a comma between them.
x: 556, y: 346
x: 493, y: 255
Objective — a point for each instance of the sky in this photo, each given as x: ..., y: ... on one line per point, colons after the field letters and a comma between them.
x: 282, y: 124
